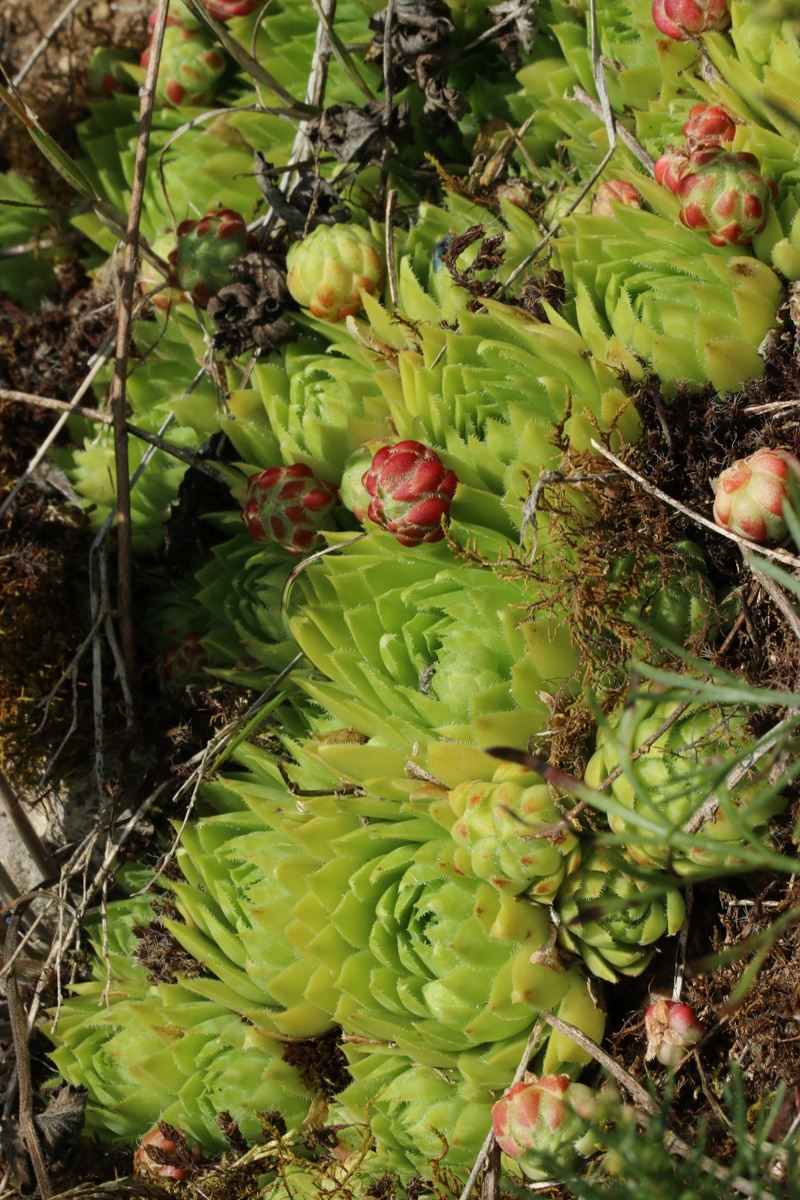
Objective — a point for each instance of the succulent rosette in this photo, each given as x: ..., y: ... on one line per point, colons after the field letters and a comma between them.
x: 611, y: 916
x: 414, y: 1112
x: 544, y: 1115
x: 692, y: 316
x: 206, y: 248
x: 674, y: 596
x: 424, y: 644
x: 751, y: 495
x: 154, y: 1051
x: 411, y: 491
x: 681, y: 810
x: 329, y: 270
x: 183, y: 664
x: 191, y: 67
x: 320, y: 407
x: 437, y: 964
x: 497, y: 834
x: 288, y: 506
x: 241, y: 589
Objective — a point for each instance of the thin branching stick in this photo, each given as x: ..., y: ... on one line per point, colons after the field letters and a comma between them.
x: 94, y: 414
x: 779, y: 555
x: 124, y: 330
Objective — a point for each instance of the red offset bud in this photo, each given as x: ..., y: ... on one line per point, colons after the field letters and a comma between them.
x: 749, y: 497
x: 708, y: 125
x: 613, y: 192
x: 288, y: 505
x: 224, y: 10
x: 183, y: 664
x: 411, y: 492
x: 724, y: 194
x: 670, y: 167
x: 672, y: 1029
x: 206, y: 248
x: 518, y: 1117
x: 681, y: 19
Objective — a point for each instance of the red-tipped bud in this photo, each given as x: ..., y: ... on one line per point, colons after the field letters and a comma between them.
x: 613, y: 192
x: 165, y: 1156
x: 750, y: 496
x: 672, y: 1029
x: 411, y: 492
x: 183, y: 664
x: 724, y: 194
x: 670, y: 167
x: 681, y: 19
x: 206, y: 248
x: 708, y: 125
x: 288, y: 505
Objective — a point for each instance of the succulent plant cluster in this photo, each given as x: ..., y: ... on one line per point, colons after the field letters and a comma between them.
x: 396, y: 398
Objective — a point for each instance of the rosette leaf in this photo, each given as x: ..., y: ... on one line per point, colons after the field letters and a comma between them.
x: 681, y: 809
x: 611, y: 917
x: 496, y: 829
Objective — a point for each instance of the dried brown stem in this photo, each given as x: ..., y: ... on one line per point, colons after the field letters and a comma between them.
x: 623, y: 134
x: 94, y: 414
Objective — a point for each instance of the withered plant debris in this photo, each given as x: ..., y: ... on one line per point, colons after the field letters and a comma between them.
x: 249, y: 311
x: 310, y: 203
x: 160, y: 951
x: 180, y: 1155
x: 56, y: 1128
x: 321, y: 1063
x: 360, y: 135
x: 760, y: 1033
x: 232, y: 1133
x: 538, y: 291
x: 488, y: 259
x: 519, y: 25
x: 419, y: 32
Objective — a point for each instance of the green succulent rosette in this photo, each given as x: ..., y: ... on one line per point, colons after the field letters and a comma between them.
x: 239, y: 591
x: 425, y: 644
x: 168, y: 348
x: 415, y: 1113
x: 612, y: 917
x: 440, y: 966
x: 673, y: 762
x: 148, y: 1052
x: 496, y: 832
x: 672, y: 596
x: 699, y: 313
